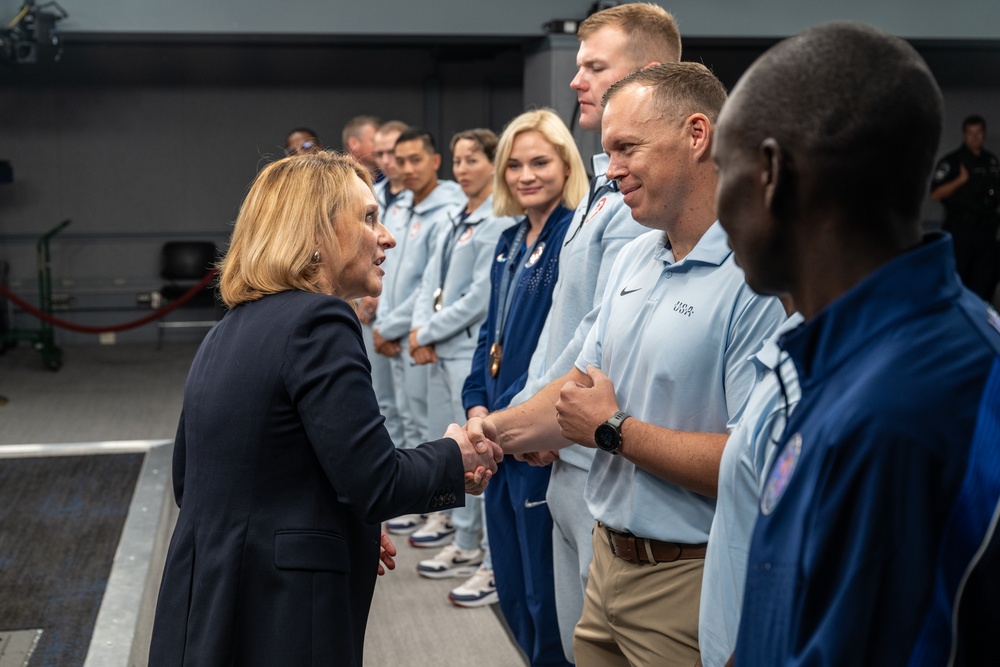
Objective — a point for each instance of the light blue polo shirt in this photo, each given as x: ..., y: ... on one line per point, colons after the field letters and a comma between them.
x: 675, y: 339
x: 593, y: 241
x: 748, y: 456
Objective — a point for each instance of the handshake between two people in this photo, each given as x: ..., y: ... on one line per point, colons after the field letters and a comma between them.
x: 479, y: 458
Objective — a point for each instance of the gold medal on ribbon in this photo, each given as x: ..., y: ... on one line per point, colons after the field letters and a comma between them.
x: 496, y: 356
x: 438, y: 299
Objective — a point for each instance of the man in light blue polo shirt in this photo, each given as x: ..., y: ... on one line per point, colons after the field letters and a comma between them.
x: 746, y: 459
x: 613, y: 43
x: 665, y: 364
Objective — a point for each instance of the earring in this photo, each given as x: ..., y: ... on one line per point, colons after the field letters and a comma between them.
x: 315, y: 257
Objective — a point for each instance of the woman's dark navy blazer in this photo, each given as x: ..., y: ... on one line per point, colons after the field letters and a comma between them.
x: 282, y: 471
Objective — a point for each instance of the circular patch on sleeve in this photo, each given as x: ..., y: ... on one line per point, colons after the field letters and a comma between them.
x: 781, y: 474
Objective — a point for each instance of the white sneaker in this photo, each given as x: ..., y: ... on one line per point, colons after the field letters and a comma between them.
x: 437, y: 532
x: 451, y: 562
x: 478, y: 591
x: 406, y: 524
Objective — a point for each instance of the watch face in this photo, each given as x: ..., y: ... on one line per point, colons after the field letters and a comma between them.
x: 606, y: 437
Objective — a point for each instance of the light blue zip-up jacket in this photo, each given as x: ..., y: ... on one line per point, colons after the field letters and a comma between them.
x: 415, y: 229
x: 465, y: 295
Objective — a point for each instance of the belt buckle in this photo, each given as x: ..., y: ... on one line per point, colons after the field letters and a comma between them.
x: 627, y: 540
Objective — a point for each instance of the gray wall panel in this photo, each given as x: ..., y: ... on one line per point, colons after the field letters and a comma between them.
x: 966, y: 19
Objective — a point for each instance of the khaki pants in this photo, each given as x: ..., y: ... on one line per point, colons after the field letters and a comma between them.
x: 638, y: 614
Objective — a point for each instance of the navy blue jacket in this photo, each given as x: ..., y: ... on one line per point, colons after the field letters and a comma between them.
x: 282, y: 471
x: 877, y: 512
x: 529, y: 307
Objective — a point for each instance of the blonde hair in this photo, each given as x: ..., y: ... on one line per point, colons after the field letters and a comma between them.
x: 293, y: 205
x: 546, y: 122
x: 651, y: 30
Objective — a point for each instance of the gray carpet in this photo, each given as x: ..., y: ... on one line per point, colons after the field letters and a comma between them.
x: 60, y: 522
x: 413, y: 623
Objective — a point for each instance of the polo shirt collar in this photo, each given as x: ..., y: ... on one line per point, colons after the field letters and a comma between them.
x: 712, y: 248
x: 902, y: 287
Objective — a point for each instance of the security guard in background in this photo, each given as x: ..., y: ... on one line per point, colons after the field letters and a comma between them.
x: 967, y: 182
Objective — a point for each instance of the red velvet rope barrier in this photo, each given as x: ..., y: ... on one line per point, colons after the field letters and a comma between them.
x: 169, y: 308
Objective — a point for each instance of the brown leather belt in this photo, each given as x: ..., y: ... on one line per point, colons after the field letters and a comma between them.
x: 644, y: 550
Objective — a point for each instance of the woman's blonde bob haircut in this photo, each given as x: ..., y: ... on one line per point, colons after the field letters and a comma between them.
x: 294, y: 206
x: 552, y: 128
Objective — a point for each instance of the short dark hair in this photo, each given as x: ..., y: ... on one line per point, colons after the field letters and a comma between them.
x: 419, y: 133
x: 974, y: 119
x: 303, y: 130
x: 485, y: 139
x: 858, y: 103
x: 678, y: 88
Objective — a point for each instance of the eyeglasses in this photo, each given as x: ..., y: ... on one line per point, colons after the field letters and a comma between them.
x: 304, y: 146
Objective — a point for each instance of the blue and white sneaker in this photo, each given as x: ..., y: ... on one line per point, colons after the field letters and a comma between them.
x: 437, y: 532
x: 480, y: 590
x: 451, y: 562
x: 406, y: 524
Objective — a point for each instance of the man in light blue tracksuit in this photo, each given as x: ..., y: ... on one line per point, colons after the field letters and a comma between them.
x: 415, y: 229
x: 388, y: 191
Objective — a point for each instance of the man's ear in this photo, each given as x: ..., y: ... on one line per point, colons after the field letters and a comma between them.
x: 774, y: 175
x: 700, y: 131
x: 436, y: 159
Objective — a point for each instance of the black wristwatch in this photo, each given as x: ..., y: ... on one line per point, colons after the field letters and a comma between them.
x: 609, y: 434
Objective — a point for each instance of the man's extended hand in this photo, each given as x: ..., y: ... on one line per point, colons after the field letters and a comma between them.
x: 481, y: 428
x: 540, y: 459
x: 480, y: 459
x: 389, y: 348
x: 581, y: 409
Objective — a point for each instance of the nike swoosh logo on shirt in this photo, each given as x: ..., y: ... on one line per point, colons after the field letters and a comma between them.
x: 625, y: 291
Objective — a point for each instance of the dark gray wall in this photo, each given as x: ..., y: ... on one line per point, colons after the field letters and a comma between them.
x: 150, y: 129
x: 141, y: 143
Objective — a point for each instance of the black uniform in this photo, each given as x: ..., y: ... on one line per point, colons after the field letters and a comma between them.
x: 971, y: 216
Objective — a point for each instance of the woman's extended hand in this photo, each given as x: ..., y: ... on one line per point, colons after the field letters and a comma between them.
x: 386, y: 551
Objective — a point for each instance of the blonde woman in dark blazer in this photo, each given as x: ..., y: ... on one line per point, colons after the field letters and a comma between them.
x: 283, y: 468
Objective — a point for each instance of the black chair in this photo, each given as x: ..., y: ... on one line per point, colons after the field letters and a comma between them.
x: 183, y: 264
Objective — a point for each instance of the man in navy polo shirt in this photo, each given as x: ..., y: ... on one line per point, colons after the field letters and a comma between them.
x: 876, y: 543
